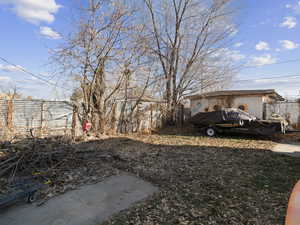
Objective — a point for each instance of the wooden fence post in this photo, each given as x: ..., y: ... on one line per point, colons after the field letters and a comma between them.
x: 9, y: 117
x: 298, y: 124
x: 42, y: 119
x: 151, y: 117
x: 1, y: 124
x: 66, y: 126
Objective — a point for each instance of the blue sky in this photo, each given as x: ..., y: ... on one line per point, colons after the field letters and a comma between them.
x: 268, y: 34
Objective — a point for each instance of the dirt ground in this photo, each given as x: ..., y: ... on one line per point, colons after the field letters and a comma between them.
x: 291, y: 137
x: 206, y: 181
x: 230, y: 180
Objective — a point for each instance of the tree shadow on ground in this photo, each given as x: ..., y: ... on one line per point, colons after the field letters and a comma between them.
x: 193, y: 131
x: 204, y: 184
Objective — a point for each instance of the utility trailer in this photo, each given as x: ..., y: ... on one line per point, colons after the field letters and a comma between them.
x: 235, y: 121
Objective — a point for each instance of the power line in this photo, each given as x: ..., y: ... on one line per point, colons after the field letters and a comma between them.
x: 269, y: 78
x: 236, y: 81
x: 282, y: 62
x: 30, y: 73
x: 25, y: 71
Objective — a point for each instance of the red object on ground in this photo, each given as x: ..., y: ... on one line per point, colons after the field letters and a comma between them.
x: 86, y: 126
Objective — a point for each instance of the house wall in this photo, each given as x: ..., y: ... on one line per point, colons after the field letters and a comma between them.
x: 252, y: 104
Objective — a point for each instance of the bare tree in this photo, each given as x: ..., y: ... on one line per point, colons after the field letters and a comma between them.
x: 10, y: 92
x: 104, y: 57
x: 178, y: 43
x: 184, y: 37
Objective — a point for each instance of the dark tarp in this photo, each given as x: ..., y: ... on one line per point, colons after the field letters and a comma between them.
x: 234, y: 116
x: 221, y: 116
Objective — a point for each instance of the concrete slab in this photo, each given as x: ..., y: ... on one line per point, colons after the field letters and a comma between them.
x: 90, y: 205
x: 291, y: 149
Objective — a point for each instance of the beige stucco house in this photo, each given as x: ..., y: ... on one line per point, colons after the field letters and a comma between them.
x: 252, y: 101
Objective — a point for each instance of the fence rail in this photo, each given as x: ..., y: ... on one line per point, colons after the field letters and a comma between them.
x: 42, y: 118
x: 22, y: 117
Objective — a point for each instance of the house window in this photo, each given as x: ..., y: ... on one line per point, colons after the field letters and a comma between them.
x: 217, y: 108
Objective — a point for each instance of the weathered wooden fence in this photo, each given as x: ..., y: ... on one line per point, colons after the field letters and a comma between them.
x: 37, y: 117
x: 148, y: 116
x: 145, y: 118
x: 289, y: 110
x: 40, y: 118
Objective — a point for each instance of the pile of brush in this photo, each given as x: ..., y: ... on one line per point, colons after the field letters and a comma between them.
x: 55, y: 161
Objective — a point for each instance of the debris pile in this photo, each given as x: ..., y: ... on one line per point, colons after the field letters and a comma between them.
x: 53, y: 161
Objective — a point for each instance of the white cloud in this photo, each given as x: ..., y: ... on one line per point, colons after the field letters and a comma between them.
x: 239, y: 44
x: 297, y: 7
x: 49, y: 33
x: 231, y: 54
x: 11, y: 68
x: 227, y: 54
x: 262, y: 46
x: 289, y: 45
x: 236, y: 56
x: 262, y: 60
x: 269, y: 81
x: 289, y: 22
x: 34, y: 11
x: 4, y: 79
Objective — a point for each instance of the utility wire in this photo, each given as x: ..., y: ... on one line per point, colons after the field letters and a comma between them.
x: 269, y: 78
x: 282, y: 62
x: 30, y: 73
x: 236, y: 81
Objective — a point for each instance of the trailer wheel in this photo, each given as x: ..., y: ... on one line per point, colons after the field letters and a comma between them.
x: 241, y: 123
x: 211, y: 132
x: 32, y: 197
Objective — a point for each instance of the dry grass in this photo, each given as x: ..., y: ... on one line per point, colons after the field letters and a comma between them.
x: 205, y: 181
x: 209, y: 181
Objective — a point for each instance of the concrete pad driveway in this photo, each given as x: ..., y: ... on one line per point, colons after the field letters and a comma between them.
x: 90, y: 205
x: 292, y: 149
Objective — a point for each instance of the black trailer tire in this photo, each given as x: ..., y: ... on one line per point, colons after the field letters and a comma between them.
x: 32, y: 197
x: 241, y: 123
x: 210, y: 132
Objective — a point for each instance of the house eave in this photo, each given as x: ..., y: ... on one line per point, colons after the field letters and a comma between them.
x: 268, y: 92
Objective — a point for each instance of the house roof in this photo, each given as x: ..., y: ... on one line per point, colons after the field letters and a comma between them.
x: 271, y: 92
